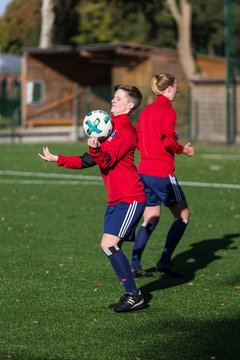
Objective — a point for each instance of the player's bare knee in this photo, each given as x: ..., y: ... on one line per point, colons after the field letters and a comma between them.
x: 151, y: 223
x: 103, y: 245
x: 111, y: 250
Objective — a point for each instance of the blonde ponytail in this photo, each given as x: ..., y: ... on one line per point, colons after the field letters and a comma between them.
x: 160, y: 82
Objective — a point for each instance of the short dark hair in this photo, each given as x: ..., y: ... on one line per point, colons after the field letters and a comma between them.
x: 133, y: 92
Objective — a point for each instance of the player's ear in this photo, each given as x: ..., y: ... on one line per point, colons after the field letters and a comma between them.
x: 130, y: 106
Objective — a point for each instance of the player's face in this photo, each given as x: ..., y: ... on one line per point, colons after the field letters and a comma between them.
x: 173, y: 91
x: 121, y: 104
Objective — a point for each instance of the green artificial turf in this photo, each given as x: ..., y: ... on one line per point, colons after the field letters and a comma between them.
x: 56, y: 284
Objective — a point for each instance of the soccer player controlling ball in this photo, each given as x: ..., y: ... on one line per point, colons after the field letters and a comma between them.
x: 125, y: 191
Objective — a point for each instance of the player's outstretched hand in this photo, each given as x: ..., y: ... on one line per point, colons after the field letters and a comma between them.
x: 93, y: 143
x: 188, y: 150
x: 47, y: 156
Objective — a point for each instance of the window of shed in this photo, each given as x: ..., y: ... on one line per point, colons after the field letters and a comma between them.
x: 35, y: 92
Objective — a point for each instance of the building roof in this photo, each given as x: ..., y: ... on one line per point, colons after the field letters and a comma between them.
x: 123, y: 54
x: 101, y: 53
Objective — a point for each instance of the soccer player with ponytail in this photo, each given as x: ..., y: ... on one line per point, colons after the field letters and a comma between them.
x: 157, y: 144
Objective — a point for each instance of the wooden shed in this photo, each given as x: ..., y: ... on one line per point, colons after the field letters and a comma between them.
x: 60, y: 85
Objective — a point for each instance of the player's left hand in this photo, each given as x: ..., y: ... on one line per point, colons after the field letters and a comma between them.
x: 188, y: 149
x: 93, y: 143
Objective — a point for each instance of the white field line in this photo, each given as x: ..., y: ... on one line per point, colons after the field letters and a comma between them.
x: 50, y: 175
x: 46, y: 182
x: 210, y: 185
x: 220, y: 156
x: 78, y: 179
x: 87, y: 180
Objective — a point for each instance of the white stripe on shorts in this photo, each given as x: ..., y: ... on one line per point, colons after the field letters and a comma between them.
x: 128, y: 218
x: 176, y: 190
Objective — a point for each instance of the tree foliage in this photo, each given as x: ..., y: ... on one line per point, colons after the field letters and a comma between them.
x: 66, y: 21
x: 20, y: 26
x: 208, y: 26
x: 142, y: 22
x: 133, y: 21
x: 95, y: 23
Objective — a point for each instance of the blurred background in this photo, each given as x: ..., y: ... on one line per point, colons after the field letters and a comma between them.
x: 61, y: 58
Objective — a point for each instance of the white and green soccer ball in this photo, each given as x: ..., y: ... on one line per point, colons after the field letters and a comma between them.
x: 97, y: 124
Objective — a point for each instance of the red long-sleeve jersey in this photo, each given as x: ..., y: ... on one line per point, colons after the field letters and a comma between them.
x: 115, y: 157
x: 157, y: 139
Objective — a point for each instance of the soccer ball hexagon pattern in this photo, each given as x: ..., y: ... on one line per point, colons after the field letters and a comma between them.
x: 97, y: 124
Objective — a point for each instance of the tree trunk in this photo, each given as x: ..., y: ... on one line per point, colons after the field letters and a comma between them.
x: 47, y: 20
x: 182, y: 14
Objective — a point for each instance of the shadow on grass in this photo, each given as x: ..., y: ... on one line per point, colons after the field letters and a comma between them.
x: 198, y: 257
x: 182, y: 339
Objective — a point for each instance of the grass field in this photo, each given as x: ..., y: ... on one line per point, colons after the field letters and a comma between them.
x: 56, y: 284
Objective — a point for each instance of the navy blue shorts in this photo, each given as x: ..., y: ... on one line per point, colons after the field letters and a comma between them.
x: 122, y: 219
x: 164, y: 191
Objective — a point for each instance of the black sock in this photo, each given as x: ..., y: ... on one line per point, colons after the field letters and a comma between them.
x: 174, y: 236
x: 122, y: 268
x: 140, y: 242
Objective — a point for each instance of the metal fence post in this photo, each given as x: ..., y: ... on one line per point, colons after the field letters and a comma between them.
x: 230, y: 93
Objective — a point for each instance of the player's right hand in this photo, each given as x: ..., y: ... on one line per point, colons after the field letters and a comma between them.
x: 47, y: 156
